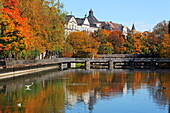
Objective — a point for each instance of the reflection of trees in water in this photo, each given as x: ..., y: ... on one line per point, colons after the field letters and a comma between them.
x: 54, y: 91
x: 88, y: 87
x: 46, y: 95
x: 161, y: 92
x: 112, y: 84
x: 159, y: 96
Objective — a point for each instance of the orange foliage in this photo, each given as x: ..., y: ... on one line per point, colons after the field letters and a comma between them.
x: 117, y: 41
x: 14, y: 27
x: 82, y: 43
x: 67, y: 54
x: 137, y: 44
x: 106, y: 32
x: 44, y: 24
x: 165, y: 49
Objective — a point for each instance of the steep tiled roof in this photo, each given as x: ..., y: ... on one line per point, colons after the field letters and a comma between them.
x: 68, y: 17
x: 133, y: 28
x: 108, y: 26
x: 113, y: 26
x: 80, y: 21
x: 119, y: 26
x: 129, y: 31
x: 92, y: 19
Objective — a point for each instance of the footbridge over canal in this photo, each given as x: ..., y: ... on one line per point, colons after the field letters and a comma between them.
x: 122, y: 63
x: 88, y: 63
x: 15, y: 68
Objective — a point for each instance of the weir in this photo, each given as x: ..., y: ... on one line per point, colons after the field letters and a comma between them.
x: 125, y: 63
x: 109, y: 63
x: 17, y: 68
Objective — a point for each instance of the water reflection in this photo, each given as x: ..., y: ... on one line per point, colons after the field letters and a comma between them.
x: 83, y: 91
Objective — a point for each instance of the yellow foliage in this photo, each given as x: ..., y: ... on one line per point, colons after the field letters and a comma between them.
x: 165, y: 49
x: 81, y: 42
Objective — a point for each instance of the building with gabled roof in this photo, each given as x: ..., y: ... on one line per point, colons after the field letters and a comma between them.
x: 116, y: 27
x: 76, y: 24
x: 88, y: 24
x: 92, y: 20
x: 71, y: 25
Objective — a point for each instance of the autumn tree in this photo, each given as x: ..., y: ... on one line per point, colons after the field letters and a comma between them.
x: 46, y: 20
x: 1, y: 6
x: 150, y: 44
x: 137, y: 43
x: 169, y: 28
x: 55, y: 27
x: 165, y: 46
x: 100, y: 35
x: 161, y: 29
x: 129, y: 43
x: 68, y: 50
x: 162, y: 32
x: 117, y: 41
x: 105, y: 47
x: 83, y: 45
x: 133, y: 44
x: 14, y: 29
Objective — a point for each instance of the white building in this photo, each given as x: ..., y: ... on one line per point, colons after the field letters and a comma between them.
x: 88, y: 24
x: 91, y: 24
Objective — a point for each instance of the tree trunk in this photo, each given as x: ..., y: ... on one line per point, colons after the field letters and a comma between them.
x: 9, y: 55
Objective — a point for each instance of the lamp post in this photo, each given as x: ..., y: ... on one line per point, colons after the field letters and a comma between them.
x: 92, y: 55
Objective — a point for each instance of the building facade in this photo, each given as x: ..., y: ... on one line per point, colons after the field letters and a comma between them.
x: 91, y: 24
x: 88, y: 24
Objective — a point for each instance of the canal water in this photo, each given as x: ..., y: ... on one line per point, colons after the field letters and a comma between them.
x: 87, y: 91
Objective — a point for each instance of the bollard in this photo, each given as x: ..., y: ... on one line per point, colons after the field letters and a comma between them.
x: 87, y: 64
x: 110, y: 66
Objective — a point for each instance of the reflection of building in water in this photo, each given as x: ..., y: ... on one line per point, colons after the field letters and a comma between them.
x: 92, y: 86
x: 88, y: 98
x: 125, y: 89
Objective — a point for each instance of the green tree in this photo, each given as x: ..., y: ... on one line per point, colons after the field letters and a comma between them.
x: 30, y: 54
x: 150, y: 44
x: 129, y: 43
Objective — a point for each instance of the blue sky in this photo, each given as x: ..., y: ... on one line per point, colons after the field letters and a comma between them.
x: 145, y: 14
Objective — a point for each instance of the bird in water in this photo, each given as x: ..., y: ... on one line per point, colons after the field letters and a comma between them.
x: 28, y: 86
x: 19, y: 104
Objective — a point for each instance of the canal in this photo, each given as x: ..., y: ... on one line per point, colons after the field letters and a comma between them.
x: 87, y: 91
